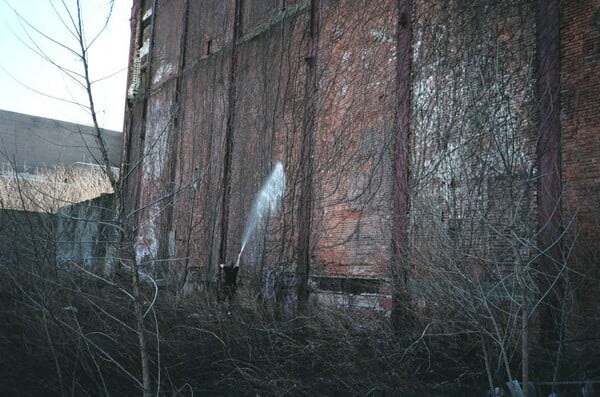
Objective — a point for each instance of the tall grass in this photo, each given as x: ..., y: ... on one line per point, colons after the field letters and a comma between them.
x: 48, y: 189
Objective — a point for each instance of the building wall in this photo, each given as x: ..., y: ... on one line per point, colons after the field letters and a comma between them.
x: 580, y: 89
x: 354, y: 125
x: 580, y: 151
x: 29, y: 143
x: 229, y: 88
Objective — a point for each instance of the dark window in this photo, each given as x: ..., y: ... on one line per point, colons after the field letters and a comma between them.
x: 348, y: 285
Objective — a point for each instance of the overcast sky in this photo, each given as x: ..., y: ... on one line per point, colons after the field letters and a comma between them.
x: 22, y: 72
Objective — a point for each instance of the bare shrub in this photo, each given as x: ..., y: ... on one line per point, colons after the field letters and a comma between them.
x: 83, y: 331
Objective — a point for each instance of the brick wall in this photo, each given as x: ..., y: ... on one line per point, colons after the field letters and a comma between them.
x: 228, y: 96
x: 580, y: 145
x: 580, y: 90
x: 353, y: 139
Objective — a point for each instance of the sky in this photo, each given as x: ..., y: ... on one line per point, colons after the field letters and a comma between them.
x: 32, y: 85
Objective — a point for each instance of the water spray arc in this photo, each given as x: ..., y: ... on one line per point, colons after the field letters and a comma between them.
x: 267, y: 200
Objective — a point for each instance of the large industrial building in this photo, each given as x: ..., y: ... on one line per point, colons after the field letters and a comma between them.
x: 421, y: 140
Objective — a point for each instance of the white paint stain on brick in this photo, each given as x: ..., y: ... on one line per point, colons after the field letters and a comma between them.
x: 153, y: 163
x: 146, y: 243
x: 381, y: 36
x: 147, y: 15
x: 145, y: 48
x: 163, y: 72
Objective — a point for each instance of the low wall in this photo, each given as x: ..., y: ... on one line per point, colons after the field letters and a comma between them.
x: 84, y: 232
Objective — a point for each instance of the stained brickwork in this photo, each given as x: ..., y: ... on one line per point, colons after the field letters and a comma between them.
x: 580, y: 152
x: 229, y: 88
x: 580, y: 92
x: 353, y: 138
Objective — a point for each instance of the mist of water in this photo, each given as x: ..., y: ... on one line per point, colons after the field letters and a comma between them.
x: 265, y: 203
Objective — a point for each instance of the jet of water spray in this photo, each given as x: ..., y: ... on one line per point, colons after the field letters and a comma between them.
x: 266, y: 202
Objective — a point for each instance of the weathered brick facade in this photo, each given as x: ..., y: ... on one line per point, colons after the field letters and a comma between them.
x: 580, y: 152
x: 580, y: 116
x: 412, y: 134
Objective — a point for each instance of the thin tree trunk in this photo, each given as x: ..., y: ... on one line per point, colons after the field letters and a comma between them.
x: 488, y: 367
x: 524, y: 338
x: 139, y: 317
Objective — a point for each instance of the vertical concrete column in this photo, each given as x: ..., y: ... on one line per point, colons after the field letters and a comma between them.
x: 170, y: 248
x: 400, y: 163
x: 548, y: 160
x: 548, y: 145
x: 231, y: 107
x: 306, y: 155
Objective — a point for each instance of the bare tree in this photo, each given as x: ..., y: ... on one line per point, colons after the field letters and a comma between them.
x: 80, y: 38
